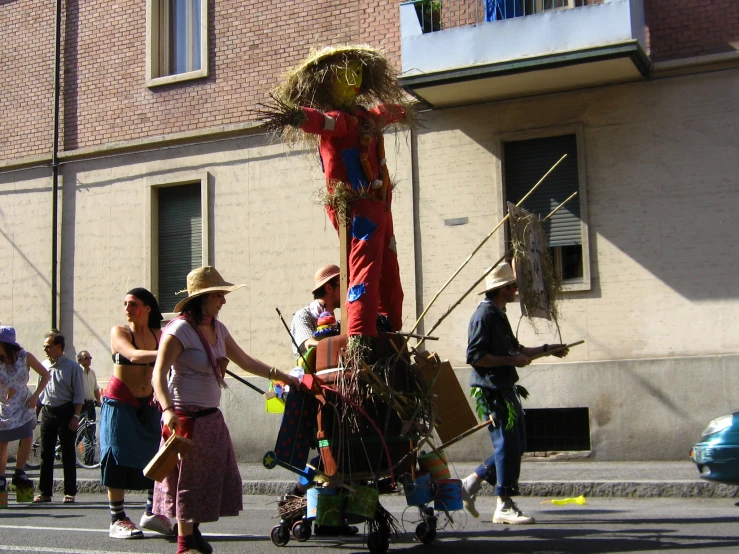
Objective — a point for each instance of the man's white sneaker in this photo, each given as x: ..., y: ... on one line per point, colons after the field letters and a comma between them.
x: 157, y: 523
x: 469, y: 502
x: 124, y: 529
x: 508, y: 512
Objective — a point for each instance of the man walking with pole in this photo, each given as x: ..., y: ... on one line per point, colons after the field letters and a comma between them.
x: 494, y: 354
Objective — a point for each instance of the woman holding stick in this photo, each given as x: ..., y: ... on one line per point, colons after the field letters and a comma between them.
x: 206, y: 483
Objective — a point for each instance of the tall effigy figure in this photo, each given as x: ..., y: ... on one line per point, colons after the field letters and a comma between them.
x: 345, y: 97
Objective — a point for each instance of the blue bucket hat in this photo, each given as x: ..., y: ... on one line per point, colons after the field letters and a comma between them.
x: 7, y: 335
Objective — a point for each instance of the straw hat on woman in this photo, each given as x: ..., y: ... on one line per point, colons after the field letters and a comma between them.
x: 196, y: 347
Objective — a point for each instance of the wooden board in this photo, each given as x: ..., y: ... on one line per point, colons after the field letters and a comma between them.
x: 450, y: 402
x: 166, y: 459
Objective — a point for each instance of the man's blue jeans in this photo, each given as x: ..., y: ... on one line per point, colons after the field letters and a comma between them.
x: 503, y: 468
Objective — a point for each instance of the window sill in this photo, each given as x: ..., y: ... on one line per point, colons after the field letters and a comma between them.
x: 573, y: 286
x: 178, y: 78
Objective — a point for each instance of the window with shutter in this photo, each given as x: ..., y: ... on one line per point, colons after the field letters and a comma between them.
x: 180, y: 239
x: 525, y: 163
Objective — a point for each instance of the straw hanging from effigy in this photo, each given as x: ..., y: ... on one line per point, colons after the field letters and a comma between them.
x: 475, y: 251
x: 485, y: 274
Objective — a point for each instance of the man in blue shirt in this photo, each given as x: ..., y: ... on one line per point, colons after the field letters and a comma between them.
x: 494, y: 354
x: 62, y: 402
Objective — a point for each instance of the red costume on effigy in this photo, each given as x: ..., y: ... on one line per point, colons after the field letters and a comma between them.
x: 352, y: 154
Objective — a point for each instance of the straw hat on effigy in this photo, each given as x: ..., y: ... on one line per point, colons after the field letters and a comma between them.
x: 307, y: 83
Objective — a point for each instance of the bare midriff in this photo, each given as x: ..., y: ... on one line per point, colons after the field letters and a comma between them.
x: 136, y: 377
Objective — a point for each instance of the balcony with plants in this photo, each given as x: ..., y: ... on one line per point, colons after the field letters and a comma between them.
x: 466, y: 51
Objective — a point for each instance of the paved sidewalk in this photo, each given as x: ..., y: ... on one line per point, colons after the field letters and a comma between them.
x: 538, y: 478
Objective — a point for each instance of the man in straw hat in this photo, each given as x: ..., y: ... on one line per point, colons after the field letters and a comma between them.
x: 494, y: 354
x: 346, y: 96
x: 326, y: 298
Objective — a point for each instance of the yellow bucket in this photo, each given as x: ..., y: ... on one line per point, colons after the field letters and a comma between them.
x: 24, y: 495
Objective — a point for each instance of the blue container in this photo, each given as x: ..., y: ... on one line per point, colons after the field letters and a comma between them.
x: 449, y: 497
x: 419, y: 492
x: 312, y: 500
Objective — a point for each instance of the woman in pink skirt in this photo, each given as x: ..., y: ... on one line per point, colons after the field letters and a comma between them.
x: 206, y: 483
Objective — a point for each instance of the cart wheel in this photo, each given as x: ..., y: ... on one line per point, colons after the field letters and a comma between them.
x: 301, y: 530
x: 378, y: 542
x: 280, y: 535
x: 425, y: 533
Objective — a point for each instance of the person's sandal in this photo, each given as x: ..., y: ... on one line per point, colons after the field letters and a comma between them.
x: 39, y: 498
x: 68, y: 499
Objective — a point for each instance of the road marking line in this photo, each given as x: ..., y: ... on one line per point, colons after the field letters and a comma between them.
x: 8, y: 548
x: 34, y: 528
x: 82, y: 529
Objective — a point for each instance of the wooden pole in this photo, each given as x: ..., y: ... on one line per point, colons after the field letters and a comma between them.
x: 344, y: 245
x: 476, y: 250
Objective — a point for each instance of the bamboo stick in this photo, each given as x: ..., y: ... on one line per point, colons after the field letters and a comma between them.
x: 554, y: 350
x: 475, y: 251
x: 467, y: 433
x: 485, y: 274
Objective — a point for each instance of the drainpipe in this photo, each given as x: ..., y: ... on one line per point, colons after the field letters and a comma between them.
x: 55, y: 164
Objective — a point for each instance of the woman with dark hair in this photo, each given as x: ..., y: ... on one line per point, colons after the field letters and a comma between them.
x: 129, y: 420
x: 17, y: 404
x: 206, y: 483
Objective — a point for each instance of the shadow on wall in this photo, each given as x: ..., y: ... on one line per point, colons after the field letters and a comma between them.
x: 650, y: 206
x: 66, y: 325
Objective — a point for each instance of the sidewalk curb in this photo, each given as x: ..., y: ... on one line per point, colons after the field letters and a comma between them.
x: 603, y: 489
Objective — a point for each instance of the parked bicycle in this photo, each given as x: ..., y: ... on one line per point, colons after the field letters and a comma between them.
x: 86, y: 446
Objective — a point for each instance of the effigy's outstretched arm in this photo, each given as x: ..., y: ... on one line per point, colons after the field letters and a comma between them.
x: 276, y: 115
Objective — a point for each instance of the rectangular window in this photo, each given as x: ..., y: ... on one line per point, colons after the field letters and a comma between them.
x: 557, y: 429
x: 176, y: 41
x: 180, y: 239
x: 526, y: 161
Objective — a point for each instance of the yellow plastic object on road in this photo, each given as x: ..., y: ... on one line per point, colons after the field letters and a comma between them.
x: 562, y: 501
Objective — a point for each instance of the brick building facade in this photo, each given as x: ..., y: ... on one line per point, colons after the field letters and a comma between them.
x: 105, y: 98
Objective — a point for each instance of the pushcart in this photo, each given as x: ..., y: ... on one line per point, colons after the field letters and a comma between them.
x: 369, y: 420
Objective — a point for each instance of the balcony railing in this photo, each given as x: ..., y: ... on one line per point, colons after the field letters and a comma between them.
x: 436, y: 15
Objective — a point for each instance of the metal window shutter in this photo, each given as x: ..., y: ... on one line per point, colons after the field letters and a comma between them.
x: 180, y: 240
x: 526, y: 162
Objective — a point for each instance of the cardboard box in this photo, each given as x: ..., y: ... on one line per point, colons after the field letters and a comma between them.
x: 450, y: 402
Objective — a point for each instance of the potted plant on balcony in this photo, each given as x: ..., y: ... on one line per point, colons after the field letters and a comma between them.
x: 429, y: 15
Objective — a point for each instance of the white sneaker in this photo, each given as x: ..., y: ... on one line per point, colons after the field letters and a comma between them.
x: 125, y: 529
x: 508, y: 512
x: 469, y: 502
x: 160, y: 524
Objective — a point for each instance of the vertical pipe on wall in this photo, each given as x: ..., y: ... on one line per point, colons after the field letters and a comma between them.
x: 55, y: 163
x: 417, y: 226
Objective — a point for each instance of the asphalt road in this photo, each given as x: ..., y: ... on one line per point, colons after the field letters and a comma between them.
x: 601, y: 525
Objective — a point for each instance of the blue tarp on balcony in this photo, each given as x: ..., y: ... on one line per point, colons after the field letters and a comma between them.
x: 502, y: 9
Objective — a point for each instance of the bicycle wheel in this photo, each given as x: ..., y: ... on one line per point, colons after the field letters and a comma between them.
x: 34, y: 457
x: 87, y: 445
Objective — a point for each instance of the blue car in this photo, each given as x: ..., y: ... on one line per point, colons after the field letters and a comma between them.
x: 717, y: 455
